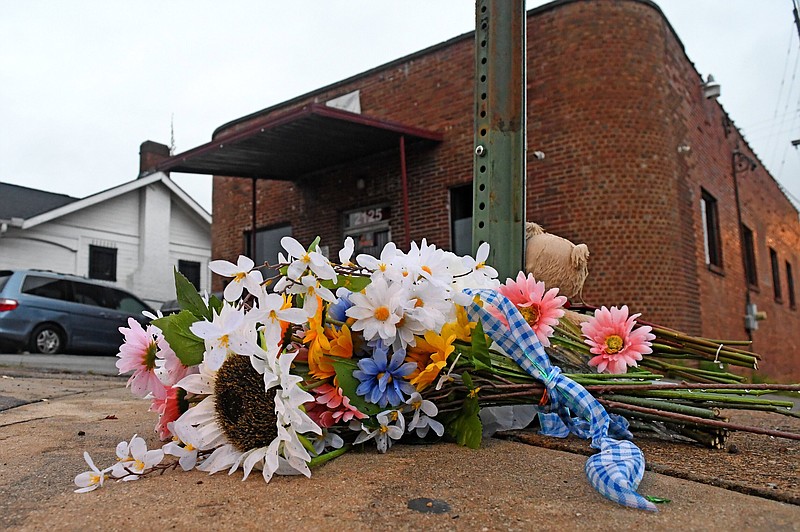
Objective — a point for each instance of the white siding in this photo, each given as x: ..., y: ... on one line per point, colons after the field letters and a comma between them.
x: 149, y: 226
x: 186, y: 228
x: 40, y: 251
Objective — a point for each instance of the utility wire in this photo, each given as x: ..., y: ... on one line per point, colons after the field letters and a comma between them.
x: 788, y: 98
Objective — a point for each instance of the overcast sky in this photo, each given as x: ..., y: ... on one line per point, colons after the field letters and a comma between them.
x: 83, y: 83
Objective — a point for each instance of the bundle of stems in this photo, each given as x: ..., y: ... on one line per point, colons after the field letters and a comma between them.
x: 672, y: 350
x: 672, y: 409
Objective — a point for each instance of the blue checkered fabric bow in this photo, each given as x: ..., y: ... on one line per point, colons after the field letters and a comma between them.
x: 617, y: 469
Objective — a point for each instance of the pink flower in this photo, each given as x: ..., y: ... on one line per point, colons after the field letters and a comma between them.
x: 169, y: 409
x: 138, y: 354
x: 173, y: 369
x: 541, y: 309
x: 331, y: 407
x: 612, y: 338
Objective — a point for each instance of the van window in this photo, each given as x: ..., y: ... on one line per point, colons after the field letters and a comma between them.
x: 125, y: 302
x: 5, y: 275
x: 36, y: 285
x: 90, y: 294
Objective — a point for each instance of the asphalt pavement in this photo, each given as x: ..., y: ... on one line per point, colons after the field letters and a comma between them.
x: 89, y: 364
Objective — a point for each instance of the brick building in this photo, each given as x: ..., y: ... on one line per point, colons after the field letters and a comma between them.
x: 639, y: 165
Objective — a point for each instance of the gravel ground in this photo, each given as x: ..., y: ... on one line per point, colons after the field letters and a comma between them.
x: 750, y: 463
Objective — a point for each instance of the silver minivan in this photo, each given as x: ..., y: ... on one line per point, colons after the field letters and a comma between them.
x: 47, y: 312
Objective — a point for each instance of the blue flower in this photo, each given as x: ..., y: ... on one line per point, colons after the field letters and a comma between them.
x: 337, y: 309
x: 382, y: 380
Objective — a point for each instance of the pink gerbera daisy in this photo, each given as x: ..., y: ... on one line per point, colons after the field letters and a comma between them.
x: 169, y: 409
x: 612, y: 338
x: 173, y: 369
x: 138, y: 354
x: 541, y: 309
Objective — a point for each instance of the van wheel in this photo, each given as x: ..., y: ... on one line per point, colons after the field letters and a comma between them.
x: 47, y: 340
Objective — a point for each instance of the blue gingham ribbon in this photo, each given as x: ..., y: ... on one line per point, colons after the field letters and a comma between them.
x: 618, y: 468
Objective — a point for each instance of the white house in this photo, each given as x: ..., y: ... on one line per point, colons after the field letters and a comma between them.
x: 132, y: 234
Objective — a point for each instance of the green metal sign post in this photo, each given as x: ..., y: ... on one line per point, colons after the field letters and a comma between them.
x: 498, y: 211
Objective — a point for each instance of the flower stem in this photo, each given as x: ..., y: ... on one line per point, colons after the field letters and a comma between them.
x: 327, y: 457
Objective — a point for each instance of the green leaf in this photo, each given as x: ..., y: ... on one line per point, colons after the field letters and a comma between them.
x: 466, y: 428
x: 188, y: 298
x: 657, y: 500
x: 215, y: 304
x: 314, y: 245
x: 186, y: 345
x: 479, y: 353
x: 354, y: 283
x: 344, y: 375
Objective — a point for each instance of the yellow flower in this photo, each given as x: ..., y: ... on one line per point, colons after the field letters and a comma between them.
x: 318, y: 343
x: 442, y: 347
x: 462, y: 327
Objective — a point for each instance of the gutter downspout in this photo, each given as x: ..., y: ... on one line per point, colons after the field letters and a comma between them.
x: 253, y: 221
x: 404, y: 180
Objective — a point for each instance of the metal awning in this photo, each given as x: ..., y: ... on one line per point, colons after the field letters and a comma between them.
x: 296, y: 143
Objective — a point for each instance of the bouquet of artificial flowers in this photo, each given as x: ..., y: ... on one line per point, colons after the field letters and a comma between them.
x: 284, y: 374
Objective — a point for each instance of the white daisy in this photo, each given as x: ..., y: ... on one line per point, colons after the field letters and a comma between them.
x: 135, y: 459
x: 346, y: 253
x: 391, y: 426
x: 270, y: 313
x: 378, y: 310
x: 306, y: 260
x: 243, y: 277
x: 227, y: 332
x: 90, y: 480
x: 423, y: 413
x: 385, y: 266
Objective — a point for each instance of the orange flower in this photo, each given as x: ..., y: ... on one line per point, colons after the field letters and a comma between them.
x: 443, y: 347
x: 287, y: 303
x: 341, y: 345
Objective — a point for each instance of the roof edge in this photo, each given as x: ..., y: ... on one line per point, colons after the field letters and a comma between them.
x: 114, y: 192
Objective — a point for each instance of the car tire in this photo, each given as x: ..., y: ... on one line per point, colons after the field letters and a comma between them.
x: 47, y: 339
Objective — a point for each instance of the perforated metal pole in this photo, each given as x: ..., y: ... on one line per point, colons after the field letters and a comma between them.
x: 498, y: 210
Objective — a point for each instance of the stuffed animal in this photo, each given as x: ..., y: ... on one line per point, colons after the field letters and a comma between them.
x: 555, y: 260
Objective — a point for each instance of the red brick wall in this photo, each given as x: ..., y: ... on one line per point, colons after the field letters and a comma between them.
x: 611, y: 97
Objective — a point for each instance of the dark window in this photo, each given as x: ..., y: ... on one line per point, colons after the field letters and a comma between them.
x: 191, y: 270
x: 712, y: 243
x: 749, y: 257
x: 46, y: 287
x: 790, y: 286
x: 125, y: 302
x: 102, y: 263
x: 461, y: 219
x: 268, y: 244
x: 369, y: 242
x: 91, y: 294
x: 776, y: 274
x: 4, y: 277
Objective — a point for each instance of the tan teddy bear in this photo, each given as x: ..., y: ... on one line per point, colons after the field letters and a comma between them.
x: 555, y: 260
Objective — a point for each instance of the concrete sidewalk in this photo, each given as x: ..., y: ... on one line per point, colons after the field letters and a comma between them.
x: 502, y: 486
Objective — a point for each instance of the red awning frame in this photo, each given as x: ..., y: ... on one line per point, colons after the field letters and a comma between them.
x: 298, y: 142
x: 295, y: 143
